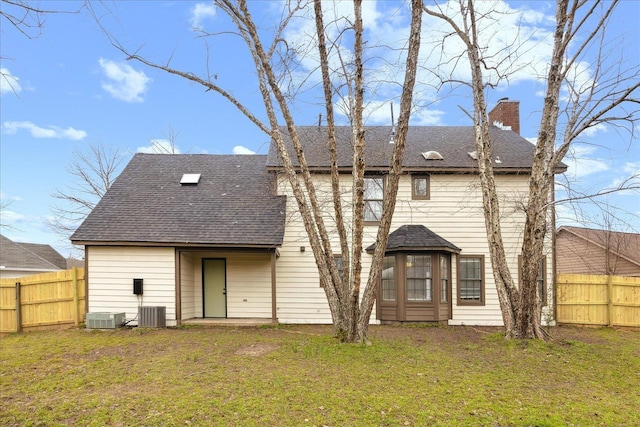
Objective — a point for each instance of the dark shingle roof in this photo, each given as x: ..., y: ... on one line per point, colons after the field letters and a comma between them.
x: 416, y: 237
x: 29, y: 256
x: 234, y: 203
x: 452, y: 142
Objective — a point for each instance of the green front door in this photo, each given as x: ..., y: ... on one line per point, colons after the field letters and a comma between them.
x: 214, y: 288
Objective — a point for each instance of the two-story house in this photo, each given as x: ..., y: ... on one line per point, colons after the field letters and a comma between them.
x: 219, y: 236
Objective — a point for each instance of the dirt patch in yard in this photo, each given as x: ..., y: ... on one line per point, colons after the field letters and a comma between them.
x: 257, y: 349
x: 443, y: 334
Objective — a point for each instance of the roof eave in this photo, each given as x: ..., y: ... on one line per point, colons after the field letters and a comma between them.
x: 420, y: 169
x: 177, y: 244
x: 419, y: 249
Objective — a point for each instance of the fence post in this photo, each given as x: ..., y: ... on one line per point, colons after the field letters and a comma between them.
x: 610, y: 299
x: 18, y: 309
x: 74, y: 275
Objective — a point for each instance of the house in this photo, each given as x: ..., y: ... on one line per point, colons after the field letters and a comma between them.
x: 219, y: 236
x: 591, y: 251
x: 25, y: 259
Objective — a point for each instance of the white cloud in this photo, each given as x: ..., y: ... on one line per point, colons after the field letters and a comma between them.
x: 239, y: 149
x: 11, y: 199
x: 630, y: 179
x: 632, y: 168
x: 8, y: 82
x: 8, y: 217
x: 582, y: 162
x: 200, y: 12
x: 518, y: 43
x: 593, y: 130
x: 124, y: 83
x: 40, y: 132
x: 159, y: 146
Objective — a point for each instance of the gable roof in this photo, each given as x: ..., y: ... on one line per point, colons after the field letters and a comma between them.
x: 624, y: 245
x: 416, y: 237
x: 29, y: 256
x: 232, y: 205
x: 512, y: 153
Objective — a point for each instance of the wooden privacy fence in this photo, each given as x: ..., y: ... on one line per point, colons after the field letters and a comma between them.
x: 598, y: 300
x: 43, y: 301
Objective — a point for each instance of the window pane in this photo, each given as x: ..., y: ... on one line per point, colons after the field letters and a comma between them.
x: 420, y: 187
x: 540, y: 281
x: 471, y: 279
x: 444, y: 278
x: 388, y: 279
x: 373, y: 188
x: 338, y: 260
x: 418, y: 270
x: 373, y: 210
x: 373, y: 195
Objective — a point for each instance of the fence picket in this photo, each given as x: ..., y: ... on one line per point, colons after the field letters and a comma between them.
x: 598, y: 300
x: 43, y: 301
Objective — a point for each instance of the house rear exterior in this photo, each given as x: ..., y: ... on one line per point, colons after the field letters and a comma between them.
x: 214, y: 236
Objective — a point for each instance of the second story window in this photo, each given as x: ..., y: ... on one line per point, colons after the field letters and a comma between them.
x: 373, y: 194
x: 420, y: 187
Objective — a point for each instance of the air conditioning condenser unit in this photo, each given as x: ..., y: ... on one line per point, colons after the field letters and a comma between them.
x: 104, y: 320
x: 152, y: 317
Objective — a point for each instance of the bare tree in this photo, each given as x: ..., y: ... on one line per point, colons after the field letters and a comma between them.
x: 273, y: 62
x: 4, y: 206
x: 24, y: 16
x: 609, y: 98
x: 166, y: 145
x: 28, y: 19
x: 93, y: 170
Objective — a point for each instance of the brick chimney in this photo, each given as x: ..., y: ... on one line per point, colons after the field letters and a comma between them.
x: 506, y: 114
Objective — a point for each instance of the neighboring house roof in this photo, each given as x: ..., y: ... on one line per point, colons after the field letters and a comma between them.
x: 416, y: 237
x: 624, y: 245
x: 511, y: 152
x: 72, y: 262
x: 233, y: 203
x: 29, y: 256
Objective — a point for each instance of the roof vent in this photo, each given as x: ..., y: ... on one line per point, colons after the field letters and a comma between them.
x: 190, y: 179
x: 473, y: 155
x: 432, y: 155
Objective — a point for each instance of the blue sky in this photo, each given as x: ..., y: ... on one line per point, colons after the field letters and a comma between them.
x: 67, y: 87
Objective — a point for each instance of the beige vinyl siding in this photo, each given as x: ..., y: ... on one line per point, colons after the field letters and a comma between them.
x: 454, y: 211
x: 249, y: 285
x: 300, y: 299
x: 111, y: 274
x: 248, y: 281
x: 190, y: 296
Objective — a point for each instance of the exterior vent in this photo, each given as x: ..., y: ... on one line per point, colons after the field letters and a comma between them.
x: 152, y: 317
x: 104, y: 320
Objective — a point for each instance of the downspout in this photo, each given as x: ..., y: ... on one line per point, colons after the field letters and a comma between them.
x: 554, y: 250
x: 86, y: 280
x: 178, y: 277
x: 274, y: 305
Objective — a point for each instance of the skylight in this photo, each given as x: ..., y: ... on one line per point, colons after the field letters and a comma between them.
x: 432, y: 155
x: 190, y: 179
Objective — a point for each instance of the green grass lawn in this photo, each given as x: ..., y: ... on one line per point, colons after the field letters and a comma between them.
x: 300, y: 376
